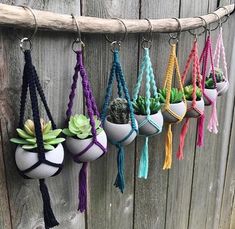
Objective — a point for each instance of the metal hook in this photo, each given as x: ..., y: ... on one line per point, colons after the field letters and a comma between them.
x: 120, y: 40
x: 200, y: 33
x: 175, y: 36
x: 78, y: 40
x: 25, y: 40
x: 147, y: 43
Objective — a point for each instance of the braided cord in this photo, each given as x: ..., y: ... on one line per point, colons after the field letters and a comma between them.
x: 224, y: 56
x: 212, y: 62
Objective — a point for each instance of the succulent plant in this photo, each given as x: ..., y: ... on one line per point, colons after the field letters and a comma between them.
x: 175, y: 97
x: 80, y: 127
x: 141, y: 107
x: 209, y: 84
x: 27, y: 137
x: 119, y: 112
x: 219, y: 75
x: 188, y: 91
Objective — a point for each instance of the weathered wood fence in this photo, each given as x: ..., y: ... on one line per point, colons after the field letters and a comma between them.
x: 197, y: 193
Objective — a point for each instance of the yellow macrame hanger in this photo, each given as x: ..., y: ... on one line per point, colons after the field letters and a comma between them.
x: 171, y: 67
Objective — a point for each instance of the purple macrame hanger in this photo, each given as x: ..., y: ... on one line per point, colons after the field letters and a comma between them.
x: 91, y: 110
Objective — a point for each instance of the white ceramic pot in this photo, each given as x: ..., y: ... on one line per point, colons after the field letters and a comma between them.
x: 192, y: 113
x: 148, y: 128
x: 75, y: 146
x: 25, y: 159
x: 210, y: 93
x: 116, y: 132
x: 177, y: 108
x: 222, y: 87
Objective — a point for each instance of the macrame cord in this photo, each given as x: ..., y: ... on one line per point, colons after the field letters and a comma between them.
x: 172, y: 64
x: 213, y: 122
x: 116, y: 72
x: 31, y: 81
x: 196, y: 82
x: 92, y: 110
x: 146, y: 67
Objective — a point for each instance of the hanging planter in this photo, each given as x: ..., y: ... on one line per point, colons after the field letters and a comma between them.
x: 86, y: 139
x: 174, y: 108
x: 221, y: 73
x: 209, y: 85
x: 147, y: 108
x: 194, y: 99
x: 118, y: 117
x: 39, y: 153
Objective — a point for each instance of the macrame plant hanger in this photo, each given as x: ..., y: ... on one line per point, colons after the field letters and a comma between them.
x: 172, y: 65
x: 207, y: 53
x: 147, y: 69
x: 31, y: 82
x: 196, y: 82
x: 79, y: 70
x: 116, y: 72
x: 220, y: 50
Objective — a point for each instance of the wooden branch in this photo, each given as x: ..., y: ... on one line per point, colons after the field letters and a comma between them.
x: 15, y: 16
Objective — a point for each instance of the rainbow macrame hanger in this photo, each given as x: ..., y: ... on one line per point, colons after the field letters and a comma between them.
x: 172, y: 65
x: 147, y: 69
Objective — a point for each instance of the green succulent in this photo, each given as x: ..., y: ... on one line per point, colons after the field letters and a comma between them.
x: 80, y: 127
x: 141, y: 107
x: 27, y: 137
x: 188, y: 91
x: 119, y: 112
x: 175, y: 97
x: 219, y: 75
x: 209, y: 84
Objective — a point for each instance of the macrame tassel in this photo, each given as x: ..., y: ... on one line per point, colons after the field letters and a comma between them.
x: 168, y: 149
x: 120, y: 182
x: 49, y: 218
x: 180, y: 152
x: 213, y: 123
x: 83, y: 188
x: 144, y: 161
x: 200, y: 130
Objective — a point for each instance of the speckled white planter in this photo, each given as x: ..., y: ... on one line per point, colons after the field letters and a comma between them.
x: 192, y: 113
x: 116, y: 132
x: 148, y: 128
x: 75, y: 146
x: 222, y: 87
x: 178, y: 108
x: 25, y: 159
x: 210, y: 93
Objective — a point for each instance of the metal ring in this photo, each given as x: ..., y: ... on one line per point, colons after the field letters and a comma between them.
x: 24, y: 41
x: 115, y: 45
x: 227, y: 14
x: 175, y: 36
x: 146, y: 44
x: 218, y: 22
x: 78, y: 39
x: 200, y: 33
x: 125, y: 32
x: 35, y: 22
x: 149, y: 30
x: 219, y: 19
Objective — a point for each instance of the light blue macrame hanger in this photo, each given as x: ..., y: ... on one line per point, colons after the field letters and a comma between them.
x: 146, y: 68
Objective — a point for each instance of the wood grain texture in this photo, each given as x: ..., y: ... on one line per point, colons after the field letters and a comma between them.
x: 19, y: 17
x: 115, y: 210
x: 55, y: 73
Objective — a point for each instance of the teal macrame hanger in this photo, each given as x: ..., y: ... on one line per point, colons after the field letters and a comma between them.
x: 116, y: 72
x: 150, y: 84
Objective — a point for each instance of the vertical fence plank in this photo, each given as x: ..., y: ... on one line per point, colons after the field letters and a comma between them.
x: 180, y: 176
x: 55, y: 72
x: 108, y: 208
x: 151, y: 194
